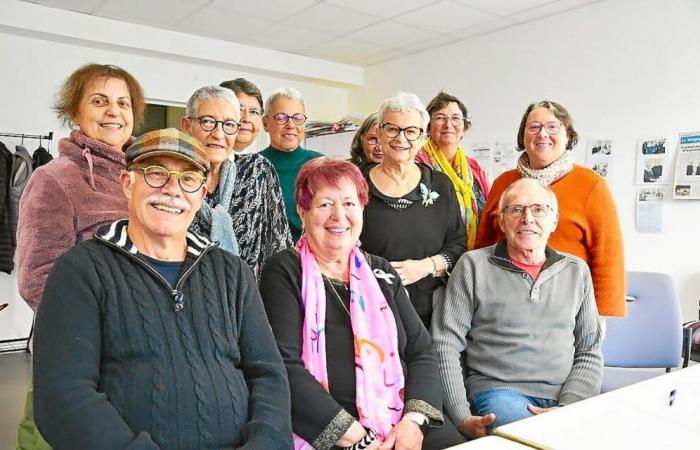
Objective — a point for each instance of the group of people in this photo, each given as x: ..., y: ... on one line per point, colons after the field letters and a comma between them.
x: 195, y: 294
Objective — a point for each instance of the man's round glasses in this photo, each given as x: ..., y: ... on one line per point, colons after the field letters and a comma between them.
x: 517, y: 211
x: 391, y: 131
x: 158, y: 176
x: 455, y: 119
x: 208, y: 123
x: 550, y: 127
x: 283, y: 118
x: 252, y: 110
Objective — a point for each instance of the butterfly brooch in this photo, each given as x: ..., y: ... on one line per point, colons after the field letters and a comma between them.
x: 429, y: 196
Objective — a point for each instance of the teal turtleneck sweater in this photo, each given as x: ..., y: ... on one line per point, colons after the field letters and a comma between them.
x: 288, y: 165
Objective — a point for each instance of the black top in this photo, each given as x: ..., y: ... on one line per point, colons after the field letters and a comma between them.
x: 419, y: 231
x: 117, y: 366
x: 319, y: 417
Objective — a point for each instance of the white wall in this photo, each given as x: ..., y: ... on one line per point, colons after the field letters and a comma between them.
x: 35, y: 63
x: 624, y: 68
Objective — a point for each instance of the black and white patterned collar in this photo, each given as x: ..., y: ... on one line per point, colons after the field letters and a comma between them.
x: 116, y: 234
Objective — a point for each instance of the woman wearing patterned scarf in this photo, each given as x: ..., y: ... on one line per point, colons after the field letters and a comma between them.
x: 360, y: 363
x: 588, y: 224
x: 449, y: 122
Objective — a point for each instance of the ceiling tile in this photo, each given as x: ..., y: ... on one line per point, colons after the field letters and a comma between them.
x: 482, y: 28
x: 384, y: 8
x: 548, y: 9
x: 330, y: 18
x: 285, y: 38
x: 271, y: 9
x: 83, y: 6
x: 392, y: 34
x: 383, y: 57
x: 156, y: 13
x: 503, y: 7
x: 444, y: 17
x: 345, y: 50
x: 216, y: 23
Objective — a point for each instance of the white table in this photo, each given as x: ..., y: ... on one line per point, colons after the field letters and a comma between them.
x: 490, y: 443
x: 637, y: 416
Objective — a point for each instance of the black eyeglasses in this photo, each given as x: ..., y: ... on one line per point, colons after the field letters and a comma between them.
x: 391, y: 131
x: 208, y: 123
x: 538, y: 210
x: 158, y: 176
x: 283, y: 118
x: 550, y: 127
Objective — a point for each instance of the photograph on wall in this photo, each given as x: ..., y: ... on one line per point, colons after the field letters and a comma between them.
x: 651, y: 158
x: 495, y: 158
x: 599, y: 156
x: 649, y: 210
x: 686, y: 183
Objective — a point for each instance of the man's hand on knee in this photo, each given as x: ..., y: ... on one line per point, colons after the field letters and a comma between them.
x: 476, y: 426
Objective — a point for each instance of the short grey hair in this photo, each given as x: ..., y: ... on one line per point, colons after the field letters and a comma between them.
x: 404, y: 102
x: 208, y: 93
x: 553, y: 203
x: 284, y: 92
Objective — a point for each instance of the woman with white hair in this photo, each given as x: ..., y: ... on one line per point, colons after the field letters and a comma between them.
x: 413, y: 217
x: 284, y: 119
x: 243, y: 208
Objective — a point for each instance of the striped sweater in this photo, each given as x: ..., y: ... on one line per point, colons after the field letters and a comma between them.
x: 539, y: 337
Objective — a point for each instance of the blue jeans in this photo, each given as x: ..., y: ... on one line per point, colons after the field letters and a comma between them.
x: 508, y: 405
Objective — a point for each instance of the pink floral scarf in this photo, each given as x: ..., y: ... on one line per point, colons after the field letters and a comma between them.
x: 378, y: 371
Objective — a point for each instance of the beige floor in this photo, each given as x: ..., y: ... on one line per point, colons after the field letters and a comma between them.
x: 15, y: 375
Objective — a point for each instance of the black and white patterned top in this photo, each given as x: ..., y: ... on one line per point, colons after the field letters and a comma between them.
x: 259, y: 218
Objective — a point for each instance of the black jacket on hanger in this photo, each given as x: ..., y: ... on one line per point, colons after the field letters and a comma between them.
x: 7, y: 238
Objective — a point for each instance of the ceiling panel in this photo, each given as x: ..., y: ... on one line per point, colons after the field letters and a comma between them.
x: 393, y: 35
x: 346, y: 49
x: 482, y: 28
x: 503, y: 7
x: 215, y: 22
x: 444, y: 17
x: 83, y: 6
x: 271, y: 9
x: 549, y: 9
x: 360, y: 32
x: 332, y: 19
x: 285, y: 38
x: 383, y: 8
x: 157, y: 13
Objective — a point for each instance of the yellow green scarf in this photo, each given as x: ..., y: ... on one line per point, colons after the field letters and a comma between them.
x: 463, y: 181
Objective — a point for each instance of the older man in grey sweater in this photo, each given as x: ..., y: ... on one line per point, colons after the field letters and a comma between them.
x: 524, y: 314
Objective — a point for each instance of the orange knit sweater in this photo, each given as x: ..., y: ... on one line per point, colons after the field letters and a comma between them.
x: 588, y: 228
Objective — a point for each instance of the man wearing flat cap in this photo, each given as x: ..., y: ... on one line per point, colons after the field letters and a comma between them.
x: 151, y: 337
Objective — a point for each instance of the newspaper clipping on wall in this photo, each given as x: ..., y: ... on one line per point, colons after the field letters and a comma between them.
x: 599, y: 158
x: 649, y: 216
x: 686, y: 185
x: 651, y: 161
x: 495, y: 158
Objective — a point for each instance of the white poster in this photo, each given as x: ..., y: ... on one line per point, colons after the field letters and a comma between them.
x: 651, y: 161
x: 495, y: 158
x: 649, y: 210
x: 599, y: 156
x: 686, y: 183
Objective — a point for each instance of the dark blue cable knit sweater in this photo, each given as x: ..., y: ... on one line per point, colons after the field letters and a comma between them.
x: 117, y: 366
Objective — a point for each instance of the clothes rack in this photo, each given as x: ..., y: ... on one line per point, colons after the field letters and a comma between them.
x: 48, y: 137
x: 12, y: 342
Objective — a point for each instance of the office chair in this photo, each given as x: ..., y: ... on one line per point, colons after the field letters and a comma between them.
x: 650, y: 336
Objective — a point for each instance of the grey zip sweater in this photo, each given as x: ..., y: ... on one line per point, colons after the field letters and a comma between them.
x: 539, y: 337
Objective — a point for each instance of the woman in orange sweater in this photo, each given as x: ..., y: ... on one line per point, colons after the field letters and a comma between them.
x: 588, y: 224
